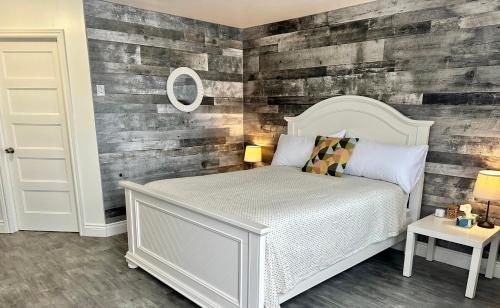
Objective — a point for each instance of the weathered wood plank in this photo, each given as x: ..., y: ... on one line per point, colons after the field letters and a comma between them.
x: 372, y: 29
x: 287, y: 87
x: 260, y: 50
x: 123, y: 68
x: 477, y: 55
x: 251, y: 64
x: 112, y: 123
x: 450, y: 111
x: 225, y: 64
x: 481, y: 20
x: 131, y: 84
x: 152, y: 41
x: 487, y: 146
x: 452, y: 170
x: 294, y: 100
x: 227, y: 110
x: 114, y: 157
x: 488, y: 98
x: 144, y: 168
x: 289, y: 74
x: 220, y: 76
x: 114, y: 52
x: 174, y: 58
x: 232, y: 52
x: 369, y: 51
x: 223, y: 88
x: 438, y: 44
x: 131, y: 99
x: 133, y: 139
x: 452, y: 186
x: 228, y: 101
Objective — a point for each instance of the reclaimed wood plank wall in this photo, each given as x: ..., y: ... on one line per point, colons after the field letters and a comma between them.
x: 141, y: 136
x: 436, y: 60
x: 432, y: 60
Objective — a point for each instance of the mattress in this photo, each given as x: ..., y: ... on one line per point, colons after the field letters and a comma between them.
x: 315, y: 220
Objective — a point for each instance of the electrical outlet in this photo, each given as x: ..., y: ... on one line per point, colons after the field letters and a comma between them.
x: 100, y: 91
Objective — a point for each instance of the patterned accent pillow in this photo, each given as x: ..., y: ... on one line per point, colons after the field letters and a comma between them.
x: 330, y: 155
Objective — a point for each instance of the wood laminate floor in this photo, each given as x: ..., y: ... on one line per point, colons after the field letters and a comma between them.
x: 41, y: 269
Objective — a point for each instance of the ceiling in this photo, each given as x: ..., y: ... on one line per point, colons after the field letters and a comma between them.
x: 241, y: 13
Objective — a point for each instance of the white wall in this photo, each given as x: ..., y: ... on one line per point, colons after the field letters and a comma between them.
x: 3, y: 222
x: 68, y: 16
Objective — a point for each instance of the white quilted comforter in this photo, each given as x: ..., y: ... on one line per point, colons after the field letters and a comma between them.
x: 315, y: 220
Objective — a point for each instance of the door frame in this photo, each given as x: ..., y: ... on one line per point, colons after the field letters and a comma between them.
x: 6, y: 181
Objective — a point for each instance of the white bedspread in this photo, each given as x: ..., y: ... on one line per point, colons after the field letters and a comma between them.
x: 315, y: 220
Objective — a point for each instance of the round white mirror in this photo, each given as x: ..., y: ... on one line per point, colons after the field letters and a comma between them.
x: 184, y: 89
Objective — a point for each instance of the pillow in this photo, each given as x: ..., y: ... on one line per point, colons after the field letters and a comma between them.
x: 294, y: 151
x: 398, y: 164
x: 330, y: 155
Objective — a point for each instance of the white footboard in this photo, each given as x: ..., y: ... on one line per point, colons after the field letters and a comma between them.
x: 215, y: 260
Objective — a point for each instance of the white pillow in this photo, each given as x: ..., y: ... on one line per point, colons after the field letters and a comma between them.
x: 398, y: 164
x: 295, y: 151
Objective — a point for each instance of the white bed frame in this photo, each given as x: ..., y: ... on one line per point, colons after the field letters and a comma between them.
x: 218, y: 260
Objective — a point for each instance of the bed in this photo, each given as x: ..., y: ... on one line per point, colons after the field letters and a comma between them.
x: 260, y: 237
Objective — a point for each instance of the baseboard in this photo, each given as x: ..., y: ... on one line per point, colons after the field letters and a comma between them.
x: 4, y: 228
x: 105, y: 230
x: 116, y: 228
x: 452, y: 257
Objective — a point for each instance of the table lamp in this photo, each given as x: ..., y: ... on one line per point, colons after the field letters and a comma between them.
x: 487, y: 188
x: 253, y: 154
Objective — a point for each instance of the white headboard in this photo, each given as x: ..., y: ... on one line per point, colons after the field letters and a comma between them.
x: 365, y: 118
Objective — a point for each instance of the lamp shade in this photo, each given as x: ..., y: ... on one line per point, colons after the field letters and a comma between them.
x: 253, y: 154
x: 487, y: 185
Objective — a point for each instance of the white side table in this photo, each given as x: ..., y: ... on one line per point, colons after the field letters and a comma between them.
x: 445, y: 229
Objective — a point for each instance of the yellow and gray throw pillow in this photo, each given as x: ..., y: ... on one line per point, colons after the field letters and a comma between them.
x: 330, y: 155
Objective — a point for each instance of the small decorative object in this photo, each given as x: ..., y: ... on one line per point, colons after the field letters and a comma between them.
x: 185, y: 89
x: 467, y: 220
x: 475, y: 218
x: 466, y: 209
x: 253, y: 154
x: 440, y: 213
x: 464, y: 222
x: 487, y: 188
x: 452, y: 211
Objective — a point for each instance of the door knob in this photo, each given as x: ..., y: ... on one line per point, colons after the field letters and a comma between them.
x: 9, y: 150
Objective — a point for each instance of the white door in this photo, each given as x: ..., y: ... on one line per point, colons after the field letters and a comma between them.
x: 35, y: 136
